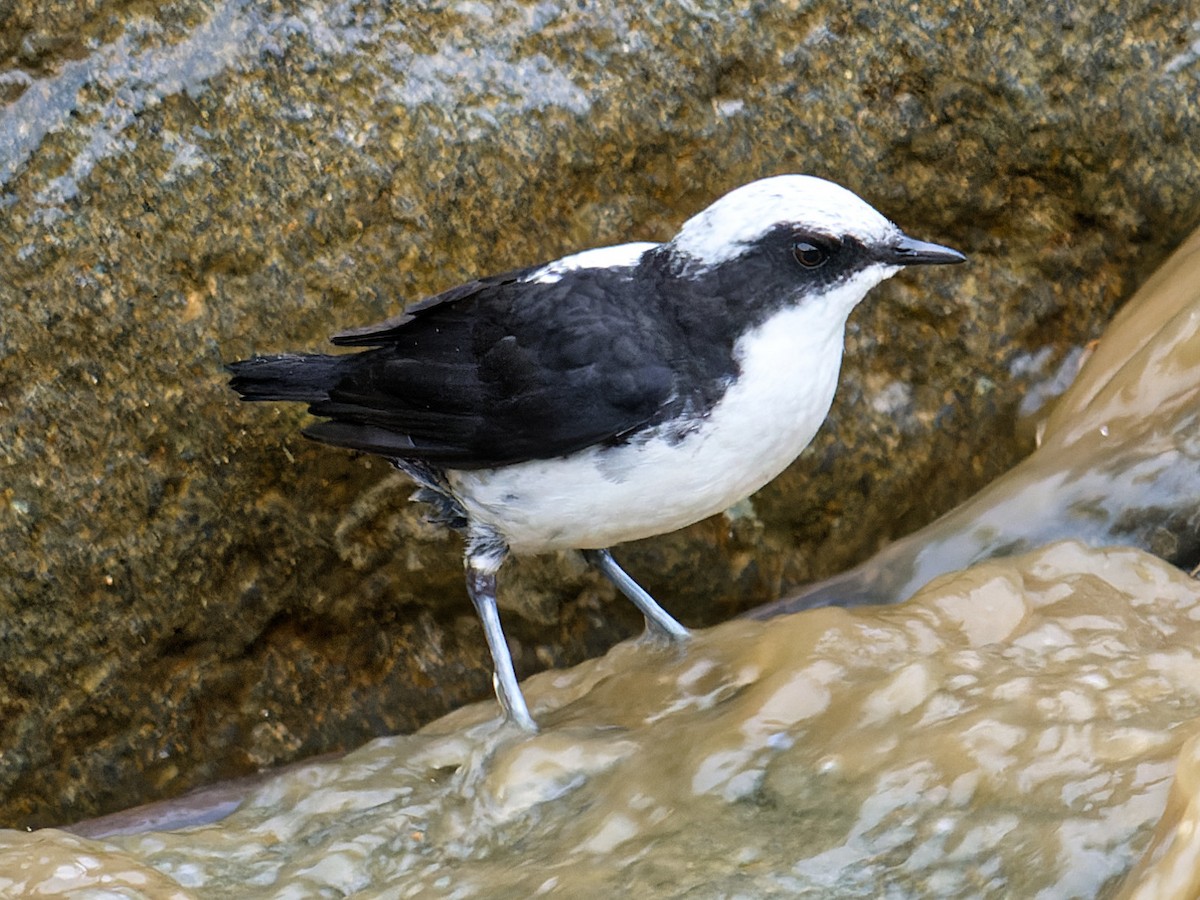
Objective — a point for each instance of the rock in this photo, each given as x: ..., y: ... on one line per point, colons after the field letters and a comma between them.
x: 1012, y: 731
x: 191, y: 591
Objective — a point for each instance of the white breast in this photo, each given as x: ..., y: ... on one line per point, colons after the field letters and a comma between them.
x: 606, y: 495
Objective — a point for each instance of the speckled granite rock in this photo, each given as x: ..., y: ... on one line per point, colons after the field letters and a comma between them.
x: 188, y: 590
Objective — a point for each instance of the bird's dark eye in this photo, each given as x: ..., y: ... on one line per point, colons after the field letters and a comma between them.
x: 809, y: 255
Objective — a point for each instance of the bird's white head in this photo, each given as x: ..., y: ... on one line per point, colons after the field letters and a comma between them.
x: 803, y: 204
x: 797, y: 236
x: 736, y: 222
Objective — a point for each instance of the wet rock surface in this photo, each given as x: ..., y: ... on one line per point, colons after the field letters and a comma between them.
x: 189, y: 591
x: 1012, y: 731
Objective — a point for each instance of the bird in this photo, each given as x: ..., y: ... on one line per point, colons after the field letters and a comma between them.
x: 614, y: 394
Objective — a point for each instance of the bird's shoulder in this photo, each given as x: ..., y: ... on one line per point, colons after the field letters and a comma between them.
x: 489, y: 288
x: 592, y: 283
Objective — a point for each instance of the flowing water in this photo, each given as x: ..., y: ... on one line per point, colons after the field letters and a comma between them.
x: 1014, y: 730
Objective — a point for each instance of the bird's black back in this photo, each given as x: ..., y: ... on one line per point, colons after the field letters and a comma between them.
x: 503, y: 369
x: 494, y: 372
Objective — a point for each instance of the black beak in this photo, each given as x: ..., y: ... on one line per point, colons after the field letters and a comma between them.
x: 911, y: 252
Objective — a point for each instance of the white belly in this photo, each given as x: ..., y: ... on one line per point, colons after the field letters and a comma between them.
x: 604, y: 496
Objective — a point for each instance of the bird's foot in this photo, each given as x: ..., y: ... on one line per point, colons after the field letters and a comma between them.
x: 655, y: 635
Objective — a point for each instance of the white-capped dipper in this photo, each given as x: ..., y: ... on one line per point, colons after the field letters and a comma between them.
x: 613, y: 394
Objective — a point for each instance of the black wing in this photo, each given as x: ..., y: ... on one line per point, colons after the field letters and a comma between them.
x: 501, y: 371
x: 381, y: 333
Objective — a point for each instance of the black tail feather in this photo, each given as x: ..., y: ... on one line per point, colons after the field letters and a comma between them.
x: 306, y: 377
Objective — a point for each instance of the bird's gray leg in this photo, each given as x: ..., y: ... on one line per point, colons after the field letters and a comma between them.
x: 481, y: 586
x: 659, y: 622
